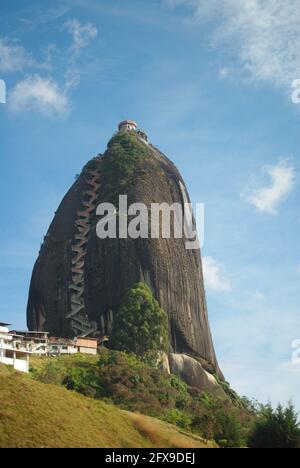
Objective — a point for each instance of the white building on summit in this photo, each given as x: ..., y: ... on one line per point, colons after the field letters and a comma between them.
x: 128, y: 125
x: 132, y: 125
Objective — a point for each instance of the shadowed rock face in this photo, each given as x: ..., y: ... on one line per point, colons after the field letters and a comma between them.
x: 77, y: 273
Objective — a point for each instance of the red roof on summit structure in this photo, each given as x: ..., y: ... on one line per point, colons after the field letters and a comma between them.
x: 128, y: 122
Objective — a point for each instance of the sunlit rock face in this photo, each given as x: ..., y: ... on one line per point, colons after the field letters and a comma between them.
x: 193, y: 373
x: 79, y: 280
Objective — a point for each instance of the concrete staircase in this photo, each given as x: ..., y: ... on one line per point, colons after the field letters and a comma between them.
x: 80, y: 323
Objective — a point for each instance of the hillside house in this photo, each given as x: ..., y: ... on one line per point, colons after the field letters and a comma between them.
x: 87, y: 345
x: 34, y: 341
x: 64, y: 346
x: 61, y: 346
x: 17, y: 345
x: 12, y: 351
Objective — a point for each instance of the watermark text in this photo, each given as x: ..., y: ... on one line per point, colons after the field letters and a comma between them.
x: 296, y: 353
x: 296, y: 92
x: 160, y: 221
x: 2, y: 92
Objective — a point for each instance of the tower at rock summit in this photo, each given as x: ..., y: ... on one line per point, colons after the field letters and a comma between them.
x: 79, y: 280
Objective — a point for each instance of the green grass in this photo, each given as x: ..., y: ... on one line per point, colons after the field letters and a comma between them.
x: 134, y: 385
x: 34, y: 414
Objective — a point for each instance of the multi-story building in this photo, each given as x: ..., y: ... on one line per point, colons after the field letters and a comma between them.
x: 12, y: 350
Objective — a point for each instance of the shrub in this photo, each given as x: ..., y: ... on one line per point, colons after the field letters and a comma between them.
x: 182, y: 394
x: 178, y: 418
x: 131, y: 383
x: 52, y: 373
x: 82, y: 380
x: 229, y: 431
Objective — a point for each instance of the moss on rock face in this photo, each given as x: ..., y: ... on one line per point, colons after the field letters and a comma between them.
x: 124, y: 161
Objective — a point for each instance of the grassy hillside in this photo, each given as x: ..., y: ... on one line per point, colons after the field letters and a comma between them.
x: 131, y: 384
x: 34, y: 414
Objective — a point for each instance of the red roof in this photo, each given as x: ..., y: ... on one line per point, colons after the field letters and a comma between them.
x: 128, y: 122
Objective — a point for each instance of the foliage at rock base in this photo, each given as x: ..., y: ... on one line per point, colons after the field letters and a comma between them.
x: 140, y: 325
x: 276, y: 428
x: 35, y: 415
x: 128, y: 382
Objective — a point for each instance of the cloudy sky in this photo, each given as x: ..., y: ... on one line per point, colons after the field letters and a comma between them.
x: 213, y: 84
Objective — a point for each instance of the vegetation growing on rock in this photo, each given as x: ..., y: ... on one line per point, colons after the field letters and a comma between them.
x: 140, y: 325
x: 124, y: 160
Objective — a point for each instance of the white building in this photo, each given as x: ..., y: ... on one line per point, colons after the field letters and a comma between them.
x: 12, y: 352
x: 65, y: 346
x: 16, y: 346
x: 61, y: 349
x: 34, y: 341
x: 128, y: 125
x: 132, y: 125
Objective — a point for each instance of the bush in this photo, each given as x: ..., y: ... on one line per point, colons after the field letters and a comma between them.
x: 178, y: 418
x: 136, y: 386
x: 140, y: 326
x: 277, y: 428
x: 229, y: 432
x: 131, y: 383
x: 82, y: 380
x: 52, y: 373
x: 218, y: 419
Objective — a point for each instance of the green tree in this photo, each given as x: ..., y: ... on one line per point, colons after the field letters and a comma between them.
x: 229, y: 432
x: 140, y: 326
x: 277, y: 428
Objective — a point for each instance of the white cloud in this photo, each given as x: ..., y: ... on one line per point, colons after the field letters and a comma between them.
x: 13, y: 57
x: 263, y: 34
x: 266, y: 199
x: 37, y: 93
x: 215, y: 275
x: 46, y: 95
x: 34, y: 17
x: 224, y: 72
x: 82, y: 34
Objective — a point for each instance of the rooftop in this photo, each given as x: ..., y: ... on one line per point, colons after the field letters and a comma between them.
x: 28, y: 332
x: 128, y: 122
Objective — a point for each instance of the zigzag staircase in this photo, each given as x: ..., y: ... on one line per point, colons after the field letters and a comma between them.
x: 80, y: 324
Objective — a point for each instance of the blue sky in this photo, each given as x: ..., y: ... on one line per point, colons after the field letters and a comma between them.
x: 211, y: 83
